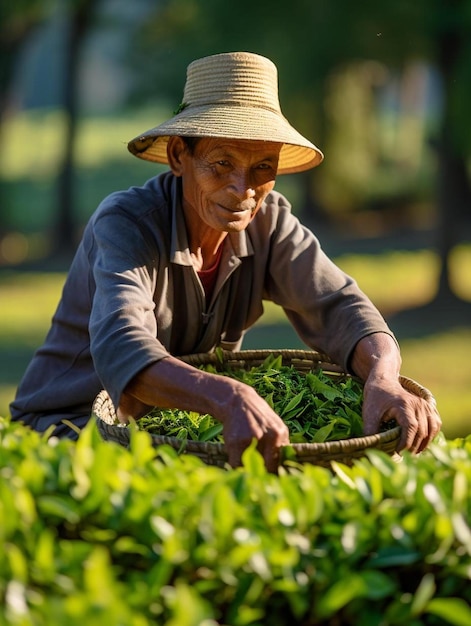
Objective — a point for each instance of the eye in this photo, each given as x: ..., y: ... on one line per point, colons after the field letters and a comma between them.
x: 268, y: 165
x: 266, y: 169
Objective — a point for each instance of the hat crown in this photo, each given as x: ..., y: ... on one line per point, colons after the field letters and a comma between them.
x: 232, y: 78
x: 233, y: 95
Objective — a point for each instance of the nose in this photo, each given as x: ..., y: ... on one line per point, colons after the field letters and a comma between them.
x: 240, y: 183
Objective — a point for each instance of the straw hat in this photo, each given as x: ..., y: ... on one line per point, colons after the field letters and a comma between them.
x: 235, y: 96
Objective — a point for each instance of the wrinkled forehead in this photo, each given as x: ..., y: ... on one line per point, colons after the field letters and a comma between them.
x: 246, y: 148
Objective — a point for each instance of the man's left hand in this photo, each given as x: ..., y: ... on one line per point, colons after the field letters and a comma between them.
x: 418, y: 418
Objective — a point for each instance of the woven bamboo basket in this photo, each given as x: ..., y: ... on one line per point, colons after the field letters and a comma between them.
x: 344, y: 451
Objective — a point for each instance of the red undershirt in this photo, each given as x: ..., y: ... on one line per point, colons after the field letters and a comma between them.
x: 208, y: 277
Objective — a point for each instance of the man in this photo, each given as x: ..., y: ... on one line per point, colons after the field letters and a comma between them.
x: 182, y: 265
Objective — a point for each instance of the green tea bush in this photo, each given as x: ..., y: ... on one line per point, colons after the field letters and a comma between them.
x: 93, y: 533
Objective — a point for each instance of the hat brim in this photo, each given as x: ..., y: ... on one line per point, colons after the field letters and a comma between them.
x: 256, y: 124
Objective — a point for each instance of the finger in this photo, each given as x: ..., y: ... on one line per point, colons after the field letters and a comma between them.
x: 427, y: 428
x: 434, y: 424
x: 270, y: 447
x: 374, y: 426
x: 271, y: 451
x: 420, y: 439
x: 234, y: 455
x: 271, y: 456
x: 370, y: 428
x: 409, y: 434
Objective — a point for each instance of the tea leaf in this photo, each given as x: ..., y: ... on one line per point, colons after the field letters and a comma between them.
x: 454, y: 610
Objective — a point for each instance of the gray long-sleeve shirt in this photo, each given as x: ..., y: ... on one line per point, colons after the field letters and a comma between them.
x: 132, y: 297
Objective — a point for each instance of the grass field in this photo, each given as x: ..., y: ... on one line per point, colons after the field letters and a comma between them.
x: 438, y: 360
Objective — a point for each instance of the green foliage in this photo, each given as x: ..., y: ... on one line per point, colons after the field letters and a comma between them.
x: 182, y: 425
x: 327, y: 35
x: 94, y: 533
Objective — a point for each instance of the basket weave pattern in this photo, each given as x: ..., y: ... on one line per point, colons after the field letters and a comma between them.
x: 343, y: 451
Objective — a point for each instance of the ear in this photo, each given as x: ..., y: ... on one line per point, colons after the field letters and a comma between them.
x: 175, y: 149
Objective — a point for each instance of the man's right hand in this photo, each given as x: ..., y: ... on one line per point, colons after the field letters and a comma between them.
x: 245, y: 416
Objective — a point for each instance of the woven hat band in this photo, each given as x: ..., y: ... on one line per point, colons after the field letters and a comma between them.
x: 249, y: 80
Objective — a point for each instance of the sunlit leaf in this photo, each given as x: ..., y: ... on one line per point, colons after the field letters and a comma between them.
x: 455, y: 611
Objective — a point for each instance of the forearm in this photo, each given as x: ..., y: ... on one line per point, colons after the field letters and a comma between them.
x: 171, y: 383
x: 376, y: 356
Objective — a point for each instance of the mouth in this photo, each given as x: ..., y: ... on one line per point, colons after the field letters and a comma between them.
x: 246, y: 206
x: 235, y: 218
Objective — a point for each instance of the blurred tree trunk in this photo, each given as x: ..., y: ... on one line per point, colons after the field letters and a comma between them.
x: 16, y: 25
x: 453, y: 186
x: 454, y: 199
x: 81, y: 15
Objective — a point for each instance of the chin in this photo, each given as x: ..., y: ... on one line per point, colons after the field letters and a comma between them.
x: 236, y: 227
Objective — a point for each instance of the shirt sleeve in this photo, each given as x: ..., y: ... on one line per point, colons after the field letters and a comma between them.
x: 122, y: 322
x: 325, y: 305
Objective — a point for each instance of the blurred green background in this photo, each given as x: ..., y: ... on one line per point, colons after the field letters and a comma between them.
x: 382, y: 88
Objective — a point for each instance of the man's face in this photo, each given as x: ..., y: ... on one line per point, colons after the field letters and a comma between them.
x: 225, y: 181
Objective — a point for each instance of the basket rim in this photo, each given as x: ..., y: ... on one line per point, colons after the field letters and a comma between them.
x: 297, y: 356
x: 214, y: 448
x: 305, y: 357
